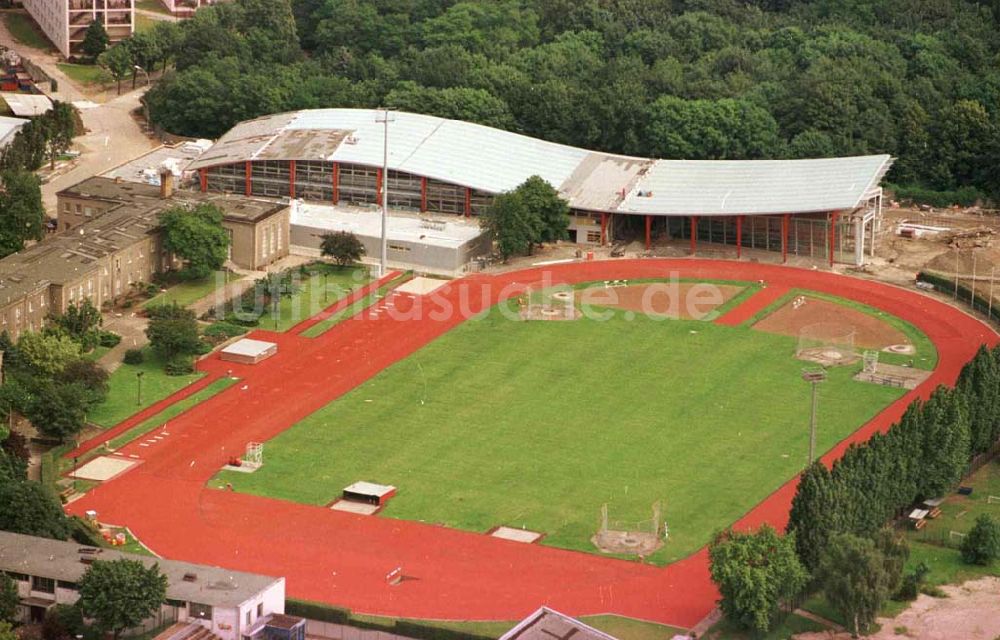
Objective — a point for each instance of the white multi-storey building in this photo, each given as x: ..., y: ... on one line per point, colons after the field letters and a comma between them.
x: 65, y: 22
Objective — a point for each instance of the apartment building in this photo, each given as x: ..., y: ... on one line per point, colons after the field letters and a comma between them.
x: 65, y: 21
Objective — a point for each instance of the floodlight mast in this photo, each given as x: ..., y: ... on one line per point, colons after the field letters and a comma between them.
x: 813, y: 377
x: 385, y: 117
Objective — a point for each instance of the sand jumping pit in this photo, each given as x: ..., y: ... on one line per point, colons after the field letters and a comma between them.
x: 516, y: 535
x: 103, y: 468
x: 675, y: 300
x: 869, y: 332
x: 633, y: 543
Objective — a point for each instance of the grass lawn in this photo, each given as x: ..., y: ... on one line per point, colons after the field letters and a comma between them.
x: 86, y: 74
x: 144, y: 23
x: 122, y: 398
x: 325, y: 284
x: 24, y: 30
x: 191, y: 291
x: 170, y: 412
x: 537, y: 424
x: 323, y: 326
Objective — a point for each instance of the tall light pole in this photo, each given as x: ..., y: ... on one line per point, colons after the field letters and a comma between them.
x: 385, y: 117
x: 813, y: 377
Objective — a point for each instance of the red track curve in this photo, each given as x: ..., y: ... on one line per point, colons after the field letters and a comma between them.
x: 342, y: 558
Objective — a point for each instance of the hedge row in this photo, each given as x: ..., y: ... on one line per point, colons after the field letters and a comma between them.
x: 337, y: 615
x: 965, y: 197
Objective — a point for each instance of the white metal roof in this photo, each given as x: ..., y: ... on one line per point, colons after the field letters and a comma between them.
x: 249, y: 347
x: 26, y: 104
x: 494, y: 161
x: 9, y: 128
x: 450, y: 233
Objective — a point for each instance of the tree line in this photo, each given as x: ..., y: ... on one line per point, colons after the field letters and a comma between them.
x: 699, y: 79
x: 837, y: 539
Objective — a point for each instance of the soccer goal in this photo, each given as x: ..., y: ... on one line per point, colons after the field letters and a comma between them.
x: 993, y: 500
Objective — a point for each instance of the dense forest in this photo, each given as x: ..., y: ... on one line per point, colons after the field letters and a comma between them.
x: 700, y: 79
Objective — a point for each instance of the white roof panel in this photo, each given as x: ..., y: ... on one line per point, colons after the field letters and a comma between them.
x: 9, y: 128
x: 494, y: 161
x: 734, y: 187
x: 26, y: 104
x: 249, y: 347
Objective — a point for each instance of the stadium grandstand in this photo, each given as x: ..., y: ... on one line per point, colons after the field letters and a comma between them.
x: 822, y: 209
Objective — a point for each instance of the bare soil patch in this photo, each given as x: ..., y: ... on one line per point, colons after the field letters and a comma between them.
x: 969, y: 612
x: 869, y: 332
x: 677, y: 300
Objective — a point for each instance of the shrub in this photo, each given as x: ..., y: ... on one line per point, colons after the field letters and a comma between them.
x: 179, y: 365
x: 965, y: 196
x: 912, y: 583
x: 108, y: 339
x: 982, y: 544
x: 134, y: 356
x: 224, y: 330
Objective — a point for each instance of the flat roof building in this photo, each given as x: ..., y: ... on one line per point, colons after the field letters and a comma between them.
x: 65, y: 22
x: 230, y: 604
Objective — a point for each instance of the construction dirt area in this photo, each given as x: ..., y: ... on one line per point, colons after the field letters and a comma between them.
x: 968, y: 611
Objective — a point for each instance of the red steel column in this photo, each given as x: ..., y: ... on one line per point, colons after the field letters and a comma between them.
x: 203, y: 177
x: 423, y: 195
x: 739, y: 237
x: 833, y: 234
x: 248, y: 186
x: 378, y: 187
x: 649, y: 227
x: 604, y: 228
x: 694, y: 235
x: 336, y: 182
x: 468, y: 202
x: 291, y: 178
x: 784, y: 237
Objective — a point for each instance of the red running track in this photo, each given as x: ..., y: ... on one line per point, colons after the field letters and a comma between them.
x: 342, y: 559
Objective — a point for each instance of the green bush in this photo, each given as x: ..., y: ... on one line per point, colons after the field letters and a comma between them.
x: 108, y: 339
x: 179, y: 365
x: 224, y: 329
x: 965, y: 197
x: 134, y: 356
x: 982, y: 544
x: 912, y: 583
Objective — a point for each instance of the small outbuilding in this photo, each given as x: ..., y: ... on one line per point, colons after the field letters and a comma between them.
x: 369, y: 492
x: 247, y: 351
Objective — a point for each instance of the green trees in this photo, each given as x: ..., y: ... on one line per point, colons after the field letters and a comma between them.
x: 27, y: 507
x: 120, y: 594
x: 856, y: 579
x: 45, y: 137
x: 118, y: 62
x: 755, y: 573
x: 533, y: 212
x: 95, y: 40
x: 173, y: 334
x: 47, y: 354
x: 81, y: 322
x: 21, y: 211
x: 711, y: 129
x: 197, y: 237
x: 8, y: 598
x: 982, y: 544
x: 343, y: 246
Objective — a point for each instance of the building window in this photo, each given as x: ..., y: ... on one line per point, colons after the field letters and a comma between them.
x: 201, y: 611
x: 248, y: 617
x: 45, y: 585
x: 78, y: 209
x: 20, y: 577
x: 260, y: 609
x: 71, y: 586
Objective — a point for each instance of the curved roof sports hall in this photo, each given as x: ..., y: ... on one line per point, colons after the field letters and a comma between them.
x: 820, y: 209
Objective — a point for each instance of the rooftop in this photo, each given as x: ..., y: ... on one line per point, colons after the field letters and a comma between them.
x: 450, y: 232
x: 60, y: 560
x: 146, y: 168
x: 26, y: 104
x: 494, y: 161
x: 546, y: 624
x: 9, y: 128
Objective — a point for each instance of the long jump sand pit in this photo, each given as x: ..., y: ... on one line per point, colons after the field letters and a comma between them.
x: 103, y: 468
x: 677, y: 300
x: 869, y: 332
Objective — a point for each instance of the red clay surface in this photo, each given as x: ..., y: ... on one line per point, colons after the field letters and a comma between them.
x: 342, y: 558
x: 869, y: 332
x: 678, y: 300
